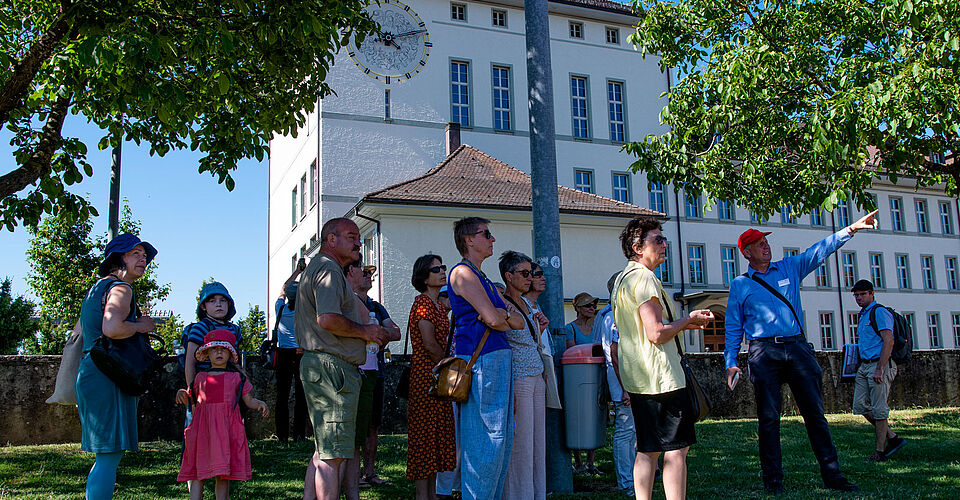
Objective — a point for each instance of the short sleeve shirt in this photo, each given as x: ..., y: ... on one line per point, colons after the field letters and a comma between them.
x: 645, y: 367
x: 869, y: 341
x: 324, y: 289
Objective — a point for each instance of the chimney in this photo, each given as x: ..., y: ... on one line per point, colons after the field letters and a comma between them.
x: 451, y: 133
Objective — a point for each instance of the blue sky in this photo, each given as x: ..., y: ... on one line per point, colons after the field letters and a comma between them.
x: 199, y: 228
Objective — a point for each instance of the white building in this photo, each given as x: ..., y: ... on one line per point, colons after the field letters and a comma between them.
x: 464, y: 62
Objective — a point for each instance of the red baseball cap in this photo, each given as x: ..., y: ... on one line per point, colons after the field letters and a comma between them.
x: 750, y: 236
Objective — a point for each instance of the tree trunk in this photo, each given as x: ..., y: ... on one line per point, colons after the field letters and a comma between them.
x: 39, y: 162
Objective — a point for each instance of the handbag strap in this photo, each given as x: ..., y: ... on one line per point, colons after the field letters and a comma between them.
x: 407, y: 341
x: 676, y: 339
x: 780, y: 296
x: 277, y: 325
x: 525, y: 319
x: 476, y: 352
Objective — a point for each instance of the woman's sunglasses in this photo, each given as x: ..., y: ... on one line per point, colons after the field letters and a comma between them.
x: 536, y: 274
x: 525, y: 273
x: 438, y: 269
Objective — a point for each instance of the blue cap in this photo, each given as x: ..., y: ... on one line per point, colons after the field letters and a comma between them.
x: 215, y: 288
x: 123, y: 244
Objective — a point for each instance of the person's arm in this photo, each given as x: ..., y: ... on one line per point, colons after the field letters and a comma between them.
x: 733, y: 329
x: 515, y: 320
x: 392, y: 327
x: 115, y: 313
x: 467, y: 285
x: 342, y: 326
x: 428, y: 334
x: 615, y: 361
x: 884, y: 319
x: 651, y: 316
x: 816, y: 254
x: 255, y: 404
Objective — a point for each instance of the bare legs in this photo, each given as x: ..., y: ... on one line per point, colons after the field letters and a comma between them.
x: 427, y: 488
x: 882, y: 430
x: 221, y: 489
x: 674, y: 474
x: 323, y: 478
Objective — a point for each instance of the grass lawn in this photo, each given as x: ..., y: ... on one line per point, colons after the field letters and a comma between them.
x: 723, y: 464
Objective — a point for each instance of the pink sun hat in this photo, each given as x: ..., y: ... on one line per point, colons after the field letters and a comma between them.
x: 218, y: 338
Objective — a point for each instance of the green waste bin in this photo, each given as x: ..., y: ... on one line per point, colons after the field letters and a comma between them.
x: 583, y: 370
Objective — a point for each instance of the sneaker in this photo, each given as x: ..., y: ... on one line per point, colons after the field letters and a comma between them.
x: 893, y: 445
x: 840, y: 484
x: 877, y: 456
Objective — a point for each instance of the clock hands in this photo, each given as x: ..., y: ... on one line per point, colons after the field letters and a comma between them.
x: 408, y: 33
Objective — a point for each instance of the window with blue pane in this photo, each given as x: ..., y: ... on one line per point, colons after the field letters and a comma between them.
x: 615, y: 105
x: 692, y: 206
x: 460, y: 93
x: 728, y: 264
x: 921, y: 208
x: 816, y: 217
x: 896, y: 214
x: 843, y: 214
x: 578, y: 103
x: 583, y: 180
x: 946, y: 221
x: 501, y: 98
x: 725, y: 210
x: 786, y: 215
x: 656, y: 197
x: 663, y: 271
x: 621, y: 188
x: 695, y: 263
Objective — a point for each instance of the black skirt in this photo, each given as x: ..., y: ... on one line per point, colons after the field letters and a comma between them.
x: 664, y: 422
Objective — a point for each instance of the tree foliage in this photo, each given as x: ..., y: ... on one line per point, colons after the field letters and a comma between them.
x: 63, y: 257
x: 803, y: 102
x: 16, y: 322
x: 170, y: 330
x: 254, y: 328
x: 217, y: 77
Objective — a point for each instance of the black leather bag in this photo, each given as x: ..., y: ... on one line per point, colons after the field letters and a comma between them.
x: 130, y: 363
x: 268, y: 349
x: 699, y: 399
x: 403, y: 385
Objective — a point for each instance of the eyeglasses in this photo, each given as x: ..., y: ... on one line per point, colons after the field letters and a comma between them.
x: 538, y: 273
x: 438, y: 269
x: 660, y: 239
x: 367, y: 273
x: 525, y: 273
x: 592, y: 305
x: 486, y: 234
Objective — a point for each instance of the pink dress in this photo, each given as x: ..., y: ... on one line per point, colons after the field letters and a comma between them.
x: 215, y: 443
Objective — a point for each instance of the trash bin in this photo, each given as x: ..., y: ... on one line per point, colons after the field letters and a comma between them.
x: 583, y: 370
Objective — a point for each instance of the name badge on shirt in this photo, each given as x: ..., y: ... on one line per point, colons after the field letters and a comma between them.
x: 783, y: 282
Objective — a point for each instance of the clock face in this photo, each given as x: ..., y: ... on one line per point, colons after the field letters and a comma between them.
x: 401, y: 48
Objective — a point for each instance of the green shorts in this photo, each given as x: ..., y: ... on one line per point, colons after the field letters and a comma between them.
x: 331, y: 387
x: 365, y: 408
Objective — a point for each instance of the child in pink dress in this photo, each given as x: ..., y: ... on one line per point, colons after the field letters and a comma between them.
x: 215, y: 442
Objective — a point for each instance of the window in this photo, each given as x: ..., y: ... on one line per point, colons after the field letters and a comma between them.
x: 950, y: 264
x: 621, y: 187
x: 313, y: 183
x: 576, y: 30
x: 293, y: 204
x: 926, y: 272
x: 933, y: 327
x: 786, y: 215
x: 293, y: 263
x: 911, y: 325
x: 499, y: 18
x: 896, y: 214
x: 578, y: 106
x: 692, y: 206
x: 458, y: 12
x: 946, y: 222
x: 956, y: 329
x: 816, y: 217
x: 790, y: 252
x: 725, y: 210
x: 664, y: 271
x: 843, y: 213
x: 613, y: 35
x: 695, y: 261
x: 729, y: 264
x: 921, y: 208
x: 876, y: 270
x: 656, y: 198
x: 826, y: 331
x: 460, y: 92
x: 386, y: 104
x: 583, y: 180
x: 615, y: 109
x: 501, y: 98
x: 903, y: 271
x: 303, y: 195
x: 848, y: 261
x: 823, y: 275
x: 852, y: 320
x: 756, y: 218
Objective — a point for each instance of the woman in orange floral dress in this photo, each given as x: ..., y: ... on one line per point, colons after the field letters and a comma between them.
x: 431, y: 443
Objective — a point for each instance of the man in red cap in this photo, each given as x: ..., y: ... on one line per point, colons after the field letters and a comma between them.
x: 764, y: 306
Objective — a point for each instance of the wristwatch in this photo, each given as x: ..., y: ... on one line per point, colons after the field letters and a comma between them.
x: 508, y: 314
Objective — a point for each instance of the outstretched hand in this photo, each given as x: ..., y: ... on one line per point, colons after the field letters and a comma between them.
x: 868, y: 221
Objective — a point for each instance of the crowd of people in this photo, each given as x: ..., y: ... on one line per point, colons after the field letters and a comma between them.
x: 331, y: 338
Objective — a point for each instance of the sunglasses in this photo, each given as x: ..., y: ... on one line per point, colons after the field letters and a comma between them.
x: 486, y: 234
x: 660, y: 239
x: 537, y: 274
x: 367, y: 274
x: 525, y: 273
x: 438, y: 269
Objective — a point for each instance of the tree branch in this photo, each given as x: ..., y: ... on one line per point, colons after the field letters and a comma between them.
x: 39, y: 162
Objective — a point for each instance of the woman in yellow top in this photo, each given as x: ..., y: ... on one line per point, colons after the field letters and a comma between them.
x: 650, y: 363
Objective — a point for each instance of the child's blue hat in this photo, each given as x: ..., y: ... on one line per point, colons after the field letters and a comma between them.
x: 123, y: 244
x: 215, y: 288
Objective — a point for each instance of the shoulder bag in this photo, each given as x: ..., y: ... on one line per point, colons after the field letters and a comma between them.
x: 268, y: 349
x: 129, y: 362
x: 65, y: 390
x: 403, y: 384
x: 698, y: 397
x: 453, y: 374
x: 549, y: 371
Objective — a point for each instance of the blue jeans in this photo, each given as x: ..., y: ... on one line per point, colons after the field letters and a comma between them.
x: 624, y: 446
x: 486, y: 427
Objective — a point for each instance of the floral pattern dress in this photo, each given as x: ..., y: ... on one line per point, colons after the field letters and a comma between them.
x: 431, y: 443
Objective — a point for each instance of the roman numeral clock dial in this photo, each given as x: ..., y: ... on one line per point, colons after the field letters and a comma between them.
x: 401, y: 48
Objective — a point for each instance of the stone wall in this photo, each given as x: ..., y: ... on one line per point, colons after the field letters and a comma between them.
x: 931, y: 379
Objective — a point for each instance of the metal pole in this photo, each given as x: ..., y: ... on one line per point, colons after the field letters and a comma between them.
x: 546, y: 213
x: 113, y: 221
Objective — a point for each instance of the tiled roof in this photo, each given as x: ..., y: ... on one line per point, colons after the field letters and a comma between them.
x: 472, y: 178
x: 607, y: 5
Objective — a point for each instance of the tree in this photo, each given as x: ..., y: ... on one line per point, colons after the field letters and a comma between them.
x: 16, y: 322
x: 63, y: 259
x: 218, y: 77
x: 170, y: 331
x: 803, y: 102
x: 254, y: 328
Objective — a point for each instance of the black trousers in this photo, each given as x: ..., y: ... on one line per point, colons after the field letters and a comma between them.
x: 794, y: 364
x: 288, y: 370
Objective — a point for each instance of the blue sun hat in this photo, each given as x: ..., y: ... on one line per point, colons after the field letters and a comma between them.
x: 123, y: 244
x: 214, y: 288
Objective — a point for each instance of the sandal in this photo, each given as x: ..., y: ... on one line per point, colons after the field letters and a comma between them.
x: 374, y: 480
x: 593, y: 470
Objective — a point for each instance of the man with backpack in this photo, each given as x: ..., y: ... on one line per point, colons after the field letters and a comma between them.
x: 875, y: 331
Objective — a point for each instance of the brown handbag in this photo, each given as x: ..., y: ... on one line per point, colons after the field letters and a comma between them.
x: 453, y: 374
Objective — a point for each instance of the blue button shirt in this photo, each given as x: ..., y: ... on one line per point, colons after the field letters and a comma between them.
x: 869, y: 341
x: 753, y: 312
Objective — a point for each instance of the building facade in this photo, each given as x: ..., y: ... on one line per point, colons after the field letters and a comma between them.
x: 464, y: 62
